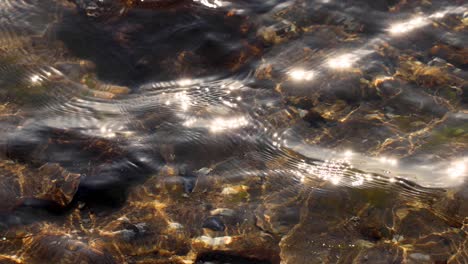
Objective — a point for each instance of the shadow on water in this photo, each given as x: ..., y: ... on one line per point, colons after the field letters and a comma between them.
x: 107, y: 171
x: 145, y: 45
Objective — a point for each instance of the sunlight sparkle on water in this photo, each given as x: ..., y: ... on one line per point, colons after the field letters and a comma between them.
x: 301, y: 75
x: 35, y: 78
x: 183, y: 99
x: 457, y: 169
x: 407, y: 26
x: 390, y: 161
x: 222, y: 124
x: 210, y: 3
x: 219, y: 124
x: 342, y: 61
x: 330, y: 170
x: 107, y: 132
x: 185, y: 82
x: 359, y: 181
x: 438, y: 15
x: 348, y: 153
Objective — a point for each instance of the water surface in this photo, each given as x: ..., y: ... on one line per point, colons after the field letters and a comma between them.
x: 233, y: 131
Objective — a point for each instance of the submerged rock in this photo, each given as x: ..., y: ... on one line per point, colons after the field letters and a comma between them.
x: 50, y: 183
x: 225, y: 258
x: 159, y: 190
x: 214, y: 223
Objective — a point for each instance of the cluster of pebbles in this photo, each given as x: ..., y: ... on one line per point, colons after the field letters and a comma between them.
x: 348, y: 79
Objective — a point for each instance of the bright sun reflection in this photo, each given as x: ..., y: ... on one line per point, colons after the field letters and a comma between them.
x: 457, y: 169
x: 301, y: 75
x: 181, y: 98
x: 340, y: 171
x: 185, y: 82
x: 329, y: 170
x: 390, y: 161
x: 35, y: 79
x: 359, y: 180
x: 107, y: 132
x: 221, y: 124
x: 342, y: 61
x: 348, y: 153
x: 407, y: 26
x: 210, y: 3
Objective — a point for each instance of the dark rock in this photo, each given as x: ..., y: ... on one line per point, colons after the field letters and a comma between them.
x: 214, y: 223
x: 314, y: 119
x: 304, y: 103
x: 56, y: 248
x: 226, y: 258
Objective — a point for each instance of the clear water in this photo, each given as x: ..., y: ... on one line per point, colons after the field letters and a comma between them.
x: 233, y: 131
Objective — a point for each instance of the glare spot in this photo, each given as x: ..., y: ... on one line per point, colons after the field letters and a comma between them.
x: 438, y: 15
x: 210, y: 3
x: 389, y: 161
x: 335, y: 180
x: 301, y: 75
x: 183, y: 99
x: 457, y: 169
x: 185, y: 82
x: 342, y: 62
x: 301, y: 177
x: 348, y: 153
x: 222, y: 124
x: 232, y: 105
x: 358, y: 182
x: 35, y: 79
x: 330, y: 170
x: 106, y: 132
x: 190, y: 122
x: 393, y: 162
x: 407, y: 26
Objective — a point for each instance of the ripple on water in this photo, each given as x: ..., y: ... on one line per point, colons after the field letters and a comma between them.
x: 339, y: 124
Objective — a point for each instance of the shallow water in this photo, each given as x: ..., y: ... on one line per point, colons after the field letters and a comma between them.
x: 233, y: 131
